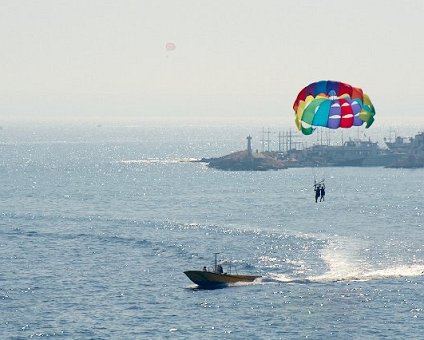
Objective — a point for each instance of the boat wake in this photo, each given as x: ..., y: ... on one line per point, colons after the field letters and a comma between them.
x: 281, y: 278
x: 401, y: 271
x: 345, y: 262
x: 394, y: 272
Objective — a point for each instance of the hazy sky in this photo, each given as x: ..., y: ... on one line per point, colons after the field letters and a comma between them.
x: 235, y: 60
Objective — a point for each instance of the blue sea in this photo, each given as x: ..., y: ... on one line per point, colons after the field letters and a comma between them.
x: 98, y: 224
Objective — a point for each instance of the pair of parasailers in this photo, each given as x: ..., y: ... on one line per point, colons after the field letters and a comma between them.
x: 319, y: 192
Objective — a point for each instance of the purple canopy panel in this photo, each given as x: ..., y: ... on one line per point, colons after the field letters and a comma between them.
x: 334, y: 116
x: 356, y: 108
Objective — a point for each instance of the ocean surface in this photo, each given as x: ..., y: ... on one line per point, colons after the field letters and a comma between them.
x: 98, y: 224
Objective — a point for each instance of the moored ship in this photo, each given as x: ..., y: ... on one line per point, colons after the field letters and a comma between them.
x: 408, y: 154
x: 350, y: 153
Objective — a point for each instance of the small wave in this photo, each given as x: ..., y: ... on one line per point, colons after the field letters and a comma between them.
x: 277, y: 278
x: 267, y: 259
x: 273, y: 262
x: 158, y: 161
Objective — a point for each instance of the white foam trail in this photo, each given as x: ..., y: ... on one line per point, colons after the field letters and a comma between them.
x: 394, y: 272
x: 279, y: 278
x: 388, y: 273
x: 345, y: 264
x: 255, y: 282
x: 343, y: 257
x: 398, y: 271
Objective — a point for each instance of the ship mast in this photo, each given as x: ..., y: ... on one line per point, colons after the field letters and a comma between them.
x: 267, y: 140
x: 279, y: 142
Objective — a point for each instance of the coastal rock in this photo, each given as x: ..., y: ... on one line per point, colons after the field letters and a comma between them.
x: 245, y: 161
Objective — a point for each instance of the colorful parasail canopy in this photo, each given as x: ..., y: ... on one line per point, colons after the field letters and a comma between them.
x: 332, y: 104
x: 170, y: 46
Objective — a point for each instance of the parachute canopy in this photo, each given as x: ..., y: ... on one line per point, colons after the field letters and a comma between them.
x: 170, y: 46
x: 332, y: 104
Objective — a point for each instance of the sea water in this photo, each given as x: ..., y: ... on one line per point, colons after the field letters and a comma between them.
x: 98, y: 224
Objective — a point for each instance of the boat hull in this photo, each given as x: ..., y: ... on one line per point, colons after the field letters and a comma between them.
x: 210, y: 279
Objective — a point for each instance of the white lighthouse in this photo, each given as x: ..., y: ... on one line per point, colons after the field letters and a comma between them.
x: 249, y: 146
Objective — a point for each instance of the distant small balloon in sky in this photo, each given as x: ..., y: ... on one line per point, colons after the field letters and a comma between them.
x: 170, y: 46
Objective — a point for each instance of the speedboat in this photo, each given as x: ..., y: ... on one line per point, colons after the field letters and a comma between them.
x: 216, y: 277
